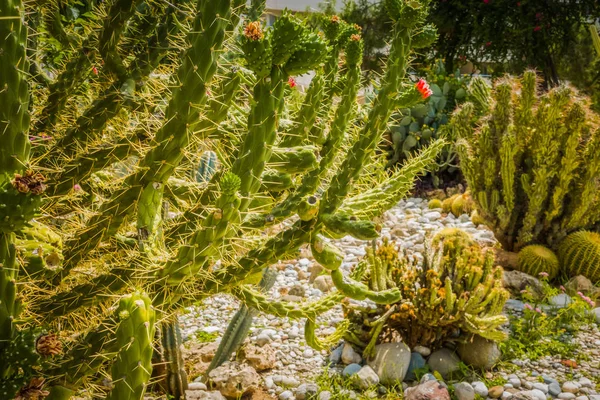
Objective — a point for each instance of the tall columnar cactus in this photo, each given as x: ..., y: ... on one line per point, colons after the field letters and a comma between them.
x: 456, y: 287
x: 531, y: 161
x: 129, y: 216
x: 132, y: 367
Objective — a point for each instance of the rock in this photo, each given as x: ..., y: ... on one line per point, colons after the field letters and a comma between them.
x: 561, y: 300
x: 196, y: 386
x: 349, y: 356
x: 586, y: 382
x: 479, y: 353
x: 286, y: 395
x: 464, y: 391
x: 336, y: 355
x: 554, y: 389
x: 496, y: 392
x: 263, y: 339
x: 323, y: 283
x: 430, y: 390
x: 348, y: 394
x: 422, y: 350
x: 297, y: 290
x: 198, y: 357
x: 291, y: 298
x: 203, y: 395
x: 427, y: 377
x: 579, y: 283
x: 260, y: 358
x: 596, y: 312
x: 391, y: 362
x: 445, y: 361
x: 416, y: 362
x: 570, y: 387
x: 325, y: 395
x: 538, y: 394
x: 516, y: 281
x: 542, y: 387
x: 480, y: 388
x: 234, y: 380
x: 514, y: 304
x: 366, y: 377
x: 527, y: 395
x: 289, y: 381
x: 306, y: 391
x: 315, y: 272
x: 351, y: 369
x: 567, y: 396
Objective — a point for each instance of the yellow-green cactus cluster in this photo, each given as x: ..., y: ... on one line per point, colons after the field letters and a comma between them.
x: 456, y: 288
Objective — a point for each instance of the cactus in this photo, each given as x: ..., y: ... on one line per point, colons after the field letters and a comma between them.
x: 207, y: 167
x: 456, y: 287
x: 536, y: 259
x: 462, y: 204
x: 418, y: 126
x: 447, y: 203
x: 122, y: 213
x: 434, y: 203
x: 530, y: 160
x: 579, y: 254
x: 132, y: 367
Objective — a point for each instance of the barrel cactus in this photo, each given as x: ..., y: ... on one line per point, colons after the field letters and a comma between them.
x: 579, y: 254
x: 536, y: 259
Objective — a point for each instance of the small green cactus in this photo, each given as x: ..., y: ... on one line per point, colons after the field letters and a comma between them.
x: 535, y: 259
x: 207, y: 166
x: 434, y: 204
x: 462, y: 204
x: 132, y: 368
x: 579, y: 254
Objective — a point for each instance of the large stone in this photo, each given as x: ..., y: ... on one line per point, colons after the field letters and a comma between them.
x: 366, y: 377
x: 561, y: 300
x: 581, y: 284
x: 479, y: 353
x: 444, y: 361
x: 430, y: 390
x: 198, y: 358
x: 391, y: 362
x: 260, y: 358
x: 464, y: 391
x: 324, y: 283
x: 416, y: 362
x: 596, y: 312
x: 351, y: 369
x: 234, y: 380
x: 516, y: 281
x: 349, y: 355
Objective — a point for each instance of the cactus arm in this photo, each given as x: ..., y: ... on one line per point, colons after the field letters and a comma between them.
x: 293, y: 160
x: 195, y: 72
x: 377, y: 123
x: 360, y: 291
x: 382, y: 197
x: 175, y: 381
x: 240, y: 324
x: 324, y: 344
x: 73, y: 74
x: 307, y: 115
x: 114, y: 25
x: 568, y: 163
x: 132, y: 367
x: 343, y: 115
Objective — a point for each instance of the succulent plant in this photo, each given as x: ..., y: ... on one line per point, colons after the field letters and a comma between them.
x: 579, y: 254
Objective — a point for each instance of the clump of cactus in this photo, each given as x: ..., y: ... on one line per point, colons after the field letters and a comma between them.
x: 531, y: 160
x: 416, y: 127
x: 106, y: 168
x: 456, y: 290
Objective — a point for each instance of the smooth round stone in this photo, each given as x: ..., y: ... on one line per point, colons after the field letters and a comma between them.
x: 351, y: 369
x: 570, y: 387
x: 554, y: 389
x: 541, y: 386
x: 495, y: 392
x: 422, y: 350
x: 566, y: 396
x: 480, y: 388
x: 464, y: 391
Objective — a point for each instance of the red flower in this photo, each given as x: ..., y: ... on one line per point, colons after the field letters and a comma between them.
x: 486, y: 1
x: 95, y: 70
x: 537, y: 28
x: 423, y: 88
x: 292, y: 82
x: 488, y: 44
